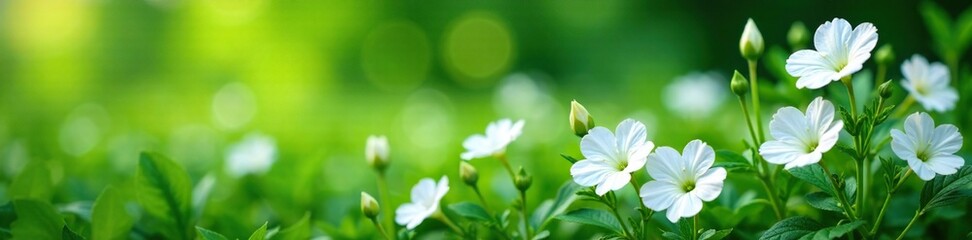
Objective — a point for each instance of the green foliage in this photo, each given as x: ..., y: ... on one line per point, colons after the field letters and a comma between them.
x: 470, y: 211
x: 946, y: 190
x: 732, y: 162
x: 823, y: 201
x: 804, y: 228
x: 815, y: 175
x: 68, y: 234
x: 109, y: 219
x: 546, y: 212
x: 206, y: 234
x: 36, y: 220
x: 260, y: 233
x: 163, y: 190
x: 713, y: 234
x: 299, y: 230
x: 951, y: 38
x: 34, y: 182
x: 593, y: 217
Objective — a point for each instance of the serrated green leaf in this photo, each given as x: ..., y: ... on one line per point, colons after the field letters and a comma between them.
x: 672, y: 236
x: 260, y: 233
x: 207, y: 234
x: 946, y: 190
x: 299, y: 231
x: 109, y: 219
x: 823, y: 201
x: 593, y: 217
x: 805, y: 228
x: 470, y: 211
x: 163, y: 190
x: 36, y: 220
x: 815, y: 175
x: 33, y: 182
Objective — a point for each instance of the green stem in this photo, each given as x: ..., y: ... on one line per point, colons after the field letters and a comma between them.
x: 749, y: 121
x: 381, y: 230
x: 767, y: 184
x: 525, y: 219
x: 754, y: 86
x: 772, y: 199
x: 912, y: 222
x: 448, y: 222
x: 384, y: 198
x: 840, y: 196
x: 482, y: 199
x: 861, y: 174
x: 506, y: 164
x: 903, y: 108
x: 695, y: 227
x: 887, y: 201
x: 882, y: 71
x: 614, y: 210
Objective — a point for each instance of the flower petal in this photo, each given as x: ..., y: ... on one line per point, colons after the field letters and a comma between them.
x: 788, y: 123
x: 920, y: 126
x: 410, y: 215
x: 475, y: 145
x: 832, y: 36
x: 862, y: 40
x: 613, y: 181
x: 591, y: 172
x: 685, y: 205
x: 781, y: 151
x: 664, y: 164
x: 804, y: 160
x: 441, y: 189
x: 658, y: 195
x: 709, y: 185
x: 812, y: 68
x: 945, y: 164
x: 922, y: 171
x: 946, y: 139
x: 424, y: 192
x: 599, y: 144
x: 820, y: 115
x: 698, y: 156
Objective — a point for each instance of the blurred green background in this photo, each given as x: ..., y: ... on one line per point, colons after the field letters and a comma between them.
x: 87, y: 84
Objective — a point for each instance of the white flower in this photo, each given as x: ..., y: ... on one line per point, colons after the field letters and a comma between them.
x: 840, y: 53
x: 800, y: 139
x: 682, y: 182
x: 928, y: 83
x: 751, y: 42
x: 696, y: 94
x: 929, y: 150
x: 425, y: 202
x: 498, y: 134
x: 610, y: 159
x: 376, y: 151
x: 253, y: 155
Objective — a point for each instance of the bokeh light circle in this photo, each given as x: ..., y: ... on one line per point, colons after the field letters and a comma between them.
x: 234, y: 105
x: 396, y: 56
x: 478, y: 48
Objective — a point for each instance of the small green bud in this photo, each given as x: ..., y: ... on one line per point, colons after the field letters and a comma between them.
x: 523, y: 180
x: 798, y: 36
x: 739, y: 84
x: 751, y: 42
x: 580, y: 120
x: 376, y: 152
x: 884, y: 55
x: 369, y: 206
x: 468, y: 173
x: 885, y: 90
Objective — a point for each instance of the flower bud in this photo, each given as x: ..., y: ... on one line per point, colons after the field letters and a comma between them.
x: 885, y: 90
x: 369, y: 206
x: 468, y: 173
x: 376, y: 152
x: 751, y: 42
x: 739, y: 84
x: 798, y: 36
x: 884, y: 55
x: 523, y: 180
x: 580, y: 120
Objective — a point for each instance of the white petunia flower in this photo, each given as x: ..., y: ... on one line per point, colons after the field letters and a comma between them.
x: 425, y: 202
x: 682, y: 182
x: 253, y: 155
x: 840, y: 52
x: 611, y: 159
x: 928, y: 83
x: 696, y: 95
x: 801, y: 140
x: 929, y: 150
x: 498, y: 134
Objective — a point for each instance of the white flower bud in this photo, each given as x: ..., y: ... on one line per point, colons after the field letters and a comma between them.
x: 369, y: 206
x: 751, y: 42
x: 376, y: 152
x: 580, y: 119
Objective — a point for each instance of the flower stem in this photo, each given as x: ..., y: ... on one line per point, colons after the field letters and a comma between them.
x: 448, y: 222
x: 754, y: 86
x: 861, y: 171
x: 912, y: 222
x: 525, y: 220
x: 777, y: 209
x: 767, y: 185
x: 506, y: 164
x: 903, y: 108
x: 882, y: 71
x: 612, y: 204
x: 887, y: 200
x: 695, y: 227
x: 749, y: 121
x: 384, y: 198
x: 381, y: 230
x: 840, y: 196
x: 482, y: 199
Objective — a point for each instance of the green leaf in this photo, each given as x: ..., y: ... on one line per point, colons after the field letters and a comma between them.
x: 470, y: 211
x: 67, y: 234
x: 946, y: 190
x: 823, y: 201
x: 712, y: 234
x: 260, y: 233
x: 963, y: 27
x: 33, y: 182
x: 565, y: 196
x: 109, y: 219
x: 299, y: 231
x: 805, y: 228
x: 36, y: 220
x: 732, y: 161
x: 815, y: 175
x: 593, y: 217
x: 163, y: 190
x: 207, y: 234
